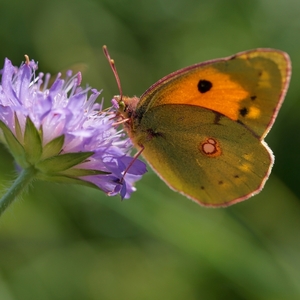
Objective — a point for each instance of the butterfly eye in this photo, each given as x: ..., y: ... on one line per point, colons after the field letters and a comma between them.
x: 122, y: 106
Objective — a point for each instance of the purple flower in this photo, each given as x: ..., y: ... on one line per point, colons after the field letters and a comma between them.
x: 61, y: 132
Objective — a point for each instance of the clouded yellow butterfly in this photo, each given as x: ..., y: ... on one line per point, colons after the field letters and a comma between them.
x: 202, y: 128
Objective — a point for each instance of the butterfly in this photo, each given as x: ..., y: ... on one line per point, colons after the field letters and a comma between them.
x: 202, y: 128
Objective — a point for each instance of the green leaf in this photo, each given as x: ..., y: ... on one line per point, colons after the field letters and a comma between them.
x: 32, y: 142
x: 18, y: 129
x: 59, y: 163
x: 65, y: 179
x: 14, y: 146
x: 53, y: 148
x: 73, y: 172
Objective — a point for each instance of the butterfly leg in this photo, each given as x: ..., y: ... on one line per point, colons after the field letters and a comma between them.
x: 135, y: 157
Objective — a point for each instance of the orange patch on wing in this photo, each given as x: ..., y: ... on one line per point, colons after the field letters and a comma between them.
x: 224, y: 90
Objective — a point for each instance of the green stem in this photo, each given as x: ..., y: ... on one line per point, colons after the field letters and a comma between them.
x: 20, y: 184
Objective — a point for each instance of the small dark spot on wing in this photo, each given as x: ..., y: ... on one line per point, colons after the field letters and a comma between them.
x: 217, y: 118
x: 204, y: 86
x: 244, y: 111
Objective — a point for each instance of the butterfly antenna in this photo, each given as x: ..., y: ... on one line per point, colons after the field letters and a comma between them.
x: 114, y: 69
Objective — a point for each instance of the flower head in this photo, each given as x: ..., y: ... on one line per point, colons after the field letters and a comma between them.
x: 62, y: 132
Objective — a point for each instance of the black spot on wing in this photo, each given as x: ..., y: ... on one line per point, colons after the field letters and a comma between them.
x: 244, y: 111
x: 204, y: 86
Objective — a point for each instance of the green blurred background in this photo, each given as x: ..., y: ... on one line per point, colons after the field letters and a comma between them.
x: 69, y: 242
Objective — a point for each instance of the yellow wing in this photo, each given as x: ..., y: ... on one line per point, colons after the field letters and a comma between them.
x: 204, y: 155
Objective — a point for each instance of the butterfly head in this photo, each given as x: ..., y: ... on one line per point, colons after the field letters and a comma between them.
x: 127, y: 105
